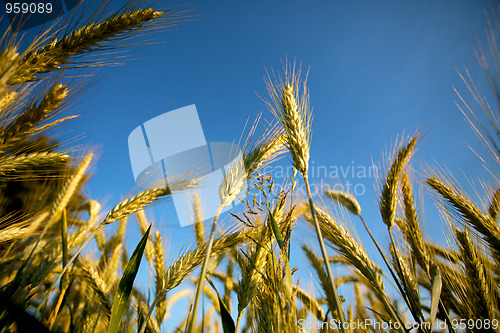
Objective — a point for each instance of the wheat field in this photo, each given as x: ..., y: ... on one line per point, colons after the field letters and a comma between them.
x: 52, y: 280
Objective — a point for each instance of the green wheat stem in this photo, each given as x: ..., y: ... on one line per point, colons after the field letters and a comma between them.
x: 338, y: 303
x: 238, y: 321
x: 64, y: 269
x: 394, y: 313
x: 201, y: 278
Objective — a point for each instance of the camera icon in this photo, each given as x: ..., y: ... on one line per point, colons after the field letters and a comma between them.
x: 173, y: 144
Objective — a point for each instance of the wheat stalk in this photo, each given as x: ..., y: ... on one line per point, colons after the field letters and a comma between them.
x: 159, y: 266
x: 322, y: 276
x: 290, y: 105
x: 177, y: 272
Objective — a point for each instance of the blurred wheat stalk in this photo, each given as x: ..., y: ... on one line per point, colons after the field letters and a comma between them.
x: 49, y: 283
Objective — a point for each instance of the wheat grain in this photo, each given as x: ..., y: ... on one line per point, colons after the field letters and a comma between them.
x: 470, y: 213
x: 186, y: 263
x: 411, y: 226
x: 110, y: 273
x: 481, y: 288
x: 409, y: 284
x: 97, y: 285
x: 7, y: 98
x: 322, y: 276
x: 347, y: 200
x: 290, y: 105
x: 233, y: 183
x: 495, y: 205
x: 8, y: 64
x: 311, y: 303
x: 131, y: 205
x: 266, y: 150
x: 69, y: 188
x: 348, y: 247
x: 199, y: 230
x: 33, y: 115
x: 387, y: 199
x: 251, y: 270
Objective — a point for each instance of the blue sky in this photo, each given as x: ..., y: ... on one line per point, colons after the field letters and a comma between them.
x: 377, y: 69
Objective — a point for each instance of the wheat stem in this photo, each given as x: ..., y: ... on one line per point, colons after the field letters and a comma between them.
x: 338, y: 303
x: 201, y: 278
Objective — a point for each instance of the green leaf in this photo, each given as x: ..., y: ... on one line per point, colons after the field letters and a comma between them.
x: 126, y: 283
x: 64, y: 245
x: 281, y: 243
x: 227, y: 322
x: 435, y: 292
x: 276, y: 229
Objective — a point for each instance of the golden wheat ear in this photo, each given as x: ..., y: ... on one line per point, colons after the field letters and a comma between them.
x: 289, y: 103
x: 61, y: 49
x: 388, y: 189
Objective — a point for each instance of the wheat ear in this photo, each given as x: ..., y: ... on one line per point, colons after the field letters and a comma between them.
x: 347, y: 200
x: 85, y: 39
x: 290, y: 105
x: 471, y: 214
x: 482, y: 292
x: 33, y: 115
x: 11, y: 165
x: 388, y: 197
x: 69, y: 188
x: 411, y: 227
x: 186, y: 263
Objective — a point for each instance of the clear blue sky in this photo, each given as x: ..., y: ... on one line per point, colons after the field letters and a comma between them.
x: 377, y: 69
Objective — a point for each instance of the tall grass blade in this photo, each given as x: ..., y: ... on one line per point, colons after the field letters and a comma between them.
x: 281, y: 244
x: 126, y: 283
x: 227, y: 321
